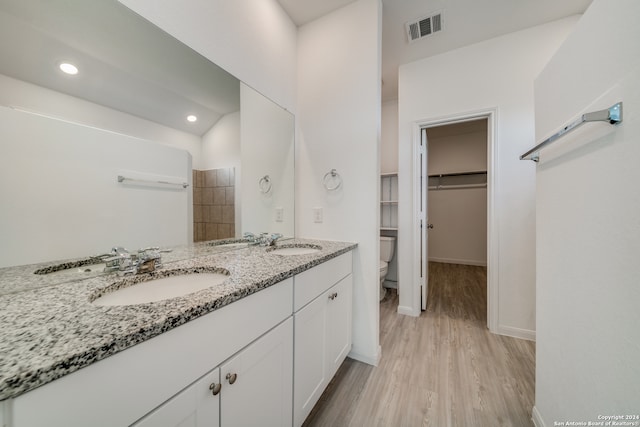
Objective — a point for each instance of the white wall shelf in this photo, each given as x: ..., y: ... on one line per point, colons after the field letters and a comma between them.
x: 389, y: 201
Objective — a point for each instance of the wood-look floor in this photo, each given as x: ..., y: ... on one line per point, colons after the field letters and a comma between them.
x: 443, y: 368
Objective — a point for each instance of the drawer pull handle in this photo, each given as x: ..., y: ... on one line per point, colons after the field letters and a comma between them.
x: 215, y: 388
x: 232, y: 378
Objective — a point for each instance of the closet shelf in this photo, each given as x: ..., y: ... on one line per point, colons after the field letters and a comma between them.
x: 388, y: 228
x: 388, y: 174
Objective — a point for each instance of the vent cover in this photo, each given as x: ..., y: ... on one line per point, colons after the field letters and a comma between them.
x: 424, y: 27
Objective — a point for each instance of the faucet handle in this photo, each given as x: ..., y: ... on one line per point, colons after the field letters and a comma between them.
x: 119, y: 250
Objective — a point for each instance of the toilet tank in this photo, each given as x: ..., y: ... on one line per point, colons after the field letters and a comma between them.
x: 387, y: 245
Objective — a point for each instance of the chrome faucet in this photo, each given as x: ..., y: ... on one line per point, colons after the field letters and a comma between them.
x: 271, y: 240
x: 144, y: 261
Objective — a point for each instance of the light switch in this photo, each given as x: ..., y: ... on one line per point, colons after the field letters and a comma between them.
x: 279, y: 214
x: 317, y: 214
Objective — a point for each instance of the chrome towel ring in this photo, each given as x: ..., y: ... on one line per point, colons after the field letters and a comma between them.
x: 265, y: 184
x: 332, y: 180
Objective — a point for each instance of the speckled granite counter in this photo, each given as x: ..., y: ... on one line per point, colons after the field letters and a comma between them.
x: 22, y: 278
x: 50, y: 331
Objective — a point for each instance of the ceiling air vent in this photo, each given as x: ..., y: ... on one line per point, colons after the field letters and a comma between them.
x: 424, y: 27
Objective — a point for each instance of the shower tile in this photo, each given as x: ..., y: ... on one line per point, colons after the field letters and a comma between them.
x: 219, y: 196
x: 211, y: 232
x: 225, y: 231
x: 228, y: 214
x: 210, y: 178
x: 207, y: 196
x: 215, y: 214
x: 222, y: 177
x: 229, y: 195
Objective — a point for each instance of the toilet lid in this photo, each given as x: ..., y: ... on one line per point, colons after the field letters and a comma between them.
x: 383, y: 264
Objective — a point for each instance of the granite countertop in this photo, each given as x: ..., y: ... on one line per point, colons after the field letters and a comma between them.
x: 53, y: 330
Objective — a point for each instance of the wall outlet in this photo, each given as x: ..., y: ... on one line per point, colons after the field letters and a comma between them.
x: 317, y: 214
x: 279, y: 214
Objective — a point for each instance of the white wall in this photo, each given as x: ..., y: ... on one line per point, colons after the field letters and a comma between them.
x: 588, y: 231
x: 459, y: 218
x: 29, y: 97
x: 267, y: 149
x: 59, y: 208
x: 339, y: 128
x: 253, y: 40
x: 61, y: 198
x: 389, y: 137
x: 495, y: 74
x: 221, y: 144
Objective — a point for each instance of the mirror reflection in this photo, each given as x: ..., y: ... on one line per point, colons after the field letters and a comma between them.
x: 147, y: 144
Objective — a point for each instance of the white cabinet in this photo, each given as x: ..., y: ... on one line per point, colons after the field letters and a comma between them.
x: 338, y: 329
x: 259, y: 375
x: 261, y: 393
x: 322, y: 335
x: 195, y: 406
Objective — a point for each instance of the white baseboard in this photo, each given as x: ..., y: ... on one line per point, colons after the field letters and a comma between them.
x: 537, y: 418
x: 482, y: 263
x: 525, y: 334
x: 374, y: 361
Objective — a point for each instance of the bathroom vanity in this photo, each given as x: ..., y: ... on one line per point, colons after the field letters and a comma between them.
x: 226, y: 355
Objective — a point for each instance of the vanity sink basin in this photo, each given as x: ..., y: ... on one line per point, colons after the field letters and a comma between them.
x: 159, y: 289
x: 288, y: 250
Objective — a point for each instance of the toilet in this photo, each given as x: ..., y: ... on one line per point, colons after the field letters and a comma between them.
x: 387, y: 245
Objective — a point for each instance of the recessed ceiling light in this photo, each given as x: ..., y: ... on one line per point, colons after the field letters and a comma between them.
x: 69, y: 68
x: 191, y: 118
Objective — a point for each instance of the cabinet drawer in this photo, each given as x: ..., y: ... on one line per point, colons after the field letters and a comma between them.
x: 311, y: 283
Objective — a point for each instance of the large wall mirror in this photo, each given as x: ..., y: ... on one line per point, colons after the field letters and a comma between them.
x: 148, y: 144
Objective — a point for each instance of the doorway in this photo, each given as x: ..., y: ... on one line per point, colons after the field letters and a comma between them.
x: 454, y: 160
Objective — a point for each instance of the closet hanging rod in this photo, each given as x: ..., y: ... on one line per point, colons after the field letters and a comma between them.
x: 442, y: 175
x: 613, y: 115
x: 456, y: 186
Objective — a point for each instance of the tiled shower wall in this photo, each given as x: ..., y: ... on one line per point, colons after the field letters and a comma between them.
x: 213, y: 204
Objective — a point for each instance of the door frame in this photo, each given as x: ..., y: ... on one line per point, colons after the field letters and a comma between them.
x: 491, y: 115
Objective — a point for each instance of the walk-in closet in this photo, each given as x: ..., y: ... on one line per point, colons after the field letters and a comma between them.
x: 457, y: 193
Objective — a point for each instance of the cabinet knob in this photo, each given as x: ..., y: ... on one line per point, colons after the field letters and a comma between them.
x: 333, y: 296
x: 232, y: 378
x: 215, y: 388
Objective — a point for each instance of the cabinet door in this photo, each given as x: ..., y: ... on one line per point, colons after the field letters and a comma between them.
x: 195, y: 406
x: 257, y: 383
x: 310, y: 365
x: 338, y: 329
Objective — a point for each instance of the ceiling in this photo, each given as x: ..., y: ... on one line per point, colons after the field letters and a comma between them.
x: 160, y: 87
x: 125, y: 62
x: 465, y: 22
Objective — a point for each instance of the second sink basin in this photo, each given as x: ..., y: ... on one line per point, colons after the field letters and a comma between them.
x: 163, y: 288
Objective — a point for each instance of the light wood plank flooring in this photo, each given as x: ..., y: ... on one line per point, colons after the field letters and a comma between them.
x: 443, y: 368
